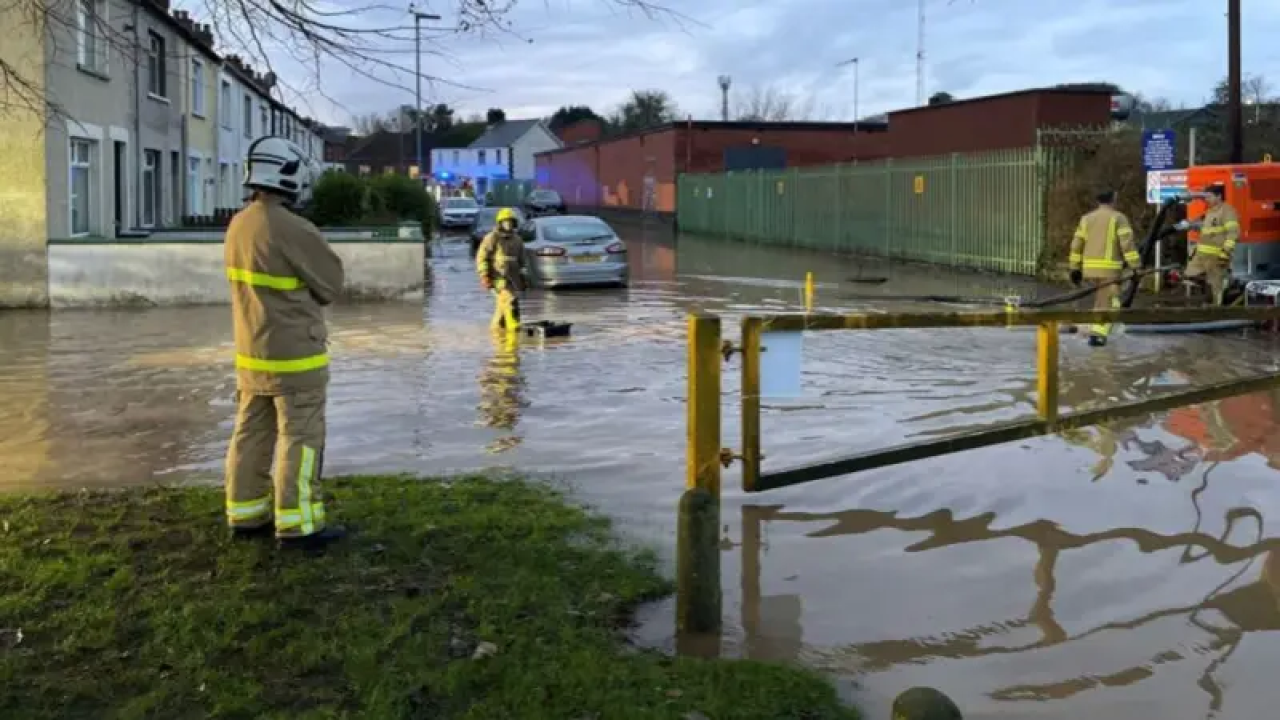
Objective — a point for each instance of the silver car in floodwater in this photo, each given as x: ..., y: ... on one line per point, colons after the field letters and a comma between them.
x: 573, y: 250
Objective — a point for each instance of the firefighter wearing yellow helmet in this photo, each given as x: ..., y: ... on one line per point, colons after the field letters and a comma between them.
x: 500, y: 265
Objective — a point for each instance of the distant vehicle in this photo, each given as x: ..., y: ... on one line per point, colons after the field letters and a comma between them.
x: 456, y: 212
x: 544, y: 202
x: 573, y: 250
x: 486, y: 220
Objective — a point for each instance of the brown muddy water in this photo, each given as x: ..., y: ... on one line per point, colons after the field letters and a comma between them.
x: 1117, y: 572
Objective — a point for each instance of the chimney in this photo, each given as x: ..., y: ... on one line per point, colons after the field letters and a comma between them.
x: 162, y: 4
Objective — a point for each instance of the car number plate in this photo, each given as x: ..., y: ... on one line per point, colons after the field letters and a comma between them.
x: 587, y: 258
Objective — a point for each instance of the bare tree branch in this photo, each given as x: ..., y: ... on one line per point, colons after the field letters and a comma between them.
x: 768, y: 103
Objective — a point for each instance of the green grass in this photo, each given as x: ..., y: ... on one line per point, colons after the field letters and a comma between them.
x: 138, y: 605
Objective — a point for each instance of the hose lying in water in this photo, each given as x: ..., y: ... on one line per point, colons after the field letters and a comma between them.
x: 1034, y: 304
x: 1200, y: 327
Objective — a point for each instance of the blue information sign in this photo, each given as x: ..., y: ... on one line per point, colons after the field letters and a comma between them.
x: 1158, y: 150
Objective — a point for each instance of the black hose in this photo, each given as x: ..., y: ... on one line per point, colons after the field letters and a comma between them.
x: 1147, y: 250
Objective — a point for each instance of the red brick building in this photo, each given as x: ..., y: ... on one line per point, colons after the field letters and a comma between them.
x: 583, y: 131
x: 639, y: 171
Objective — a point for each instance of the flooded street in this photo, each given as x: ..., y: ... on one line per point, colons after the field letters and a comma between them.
x: 1117, y: 572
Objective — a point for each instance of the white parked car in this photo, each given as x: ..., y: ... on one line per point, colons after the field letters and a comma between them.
x: 458, y: 212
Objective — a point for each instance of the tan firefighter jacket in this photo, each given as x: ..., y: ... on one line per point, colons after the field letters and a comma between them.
x: 501, y: 259
x: 1219, y: 233
x: 1103, y: 244
x: 282, y: 272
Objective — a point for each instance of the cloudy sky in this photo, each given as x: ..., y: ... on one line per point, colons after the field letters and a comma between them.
x: 562, y: 52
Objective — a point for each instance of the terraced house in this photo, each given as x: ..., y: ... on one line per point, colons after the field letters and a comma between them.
x: 139, y: 130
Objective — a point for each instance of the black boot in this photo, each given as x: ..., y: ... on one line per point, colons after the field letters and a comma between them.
x: 1097, y: 341
x: 316, y: 541
x: 252, y: 533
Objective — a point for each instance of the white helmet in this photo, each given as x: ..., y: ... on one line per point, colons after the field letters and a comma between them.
x: 278, y: 165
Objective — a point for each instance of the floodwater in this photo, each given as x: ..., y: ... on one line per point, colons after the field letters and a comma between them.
x: 1116, y: 572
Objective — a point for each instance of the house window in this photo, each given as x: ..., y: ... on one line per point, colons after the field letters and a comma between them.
x: 197, y: 87
x: 81, y: 165
x: 156, y: 66
x: 224, y: 184
x: 90, y: 48
x: 497, y: 157
x: 225, y: 101
x: 262, y: 129
x: 480, y: 157
x: 456, y: 156
x: 193, y: 186
x: 248, y: 116
x: 413, y: 172
x: 150, y: 187
x: 365, y: 169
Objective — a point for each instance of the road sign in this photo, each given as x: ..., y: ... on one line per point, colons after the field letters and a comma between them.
x: 1159, y: 149
x: 1164, y: 184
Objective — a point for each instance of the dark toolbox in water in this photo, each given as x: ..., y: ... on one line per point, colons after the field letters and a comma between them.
x: 546, y: 329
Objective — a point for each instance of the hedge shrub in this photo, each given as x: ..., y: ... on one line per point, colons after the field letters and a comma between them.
x: 343, y: 199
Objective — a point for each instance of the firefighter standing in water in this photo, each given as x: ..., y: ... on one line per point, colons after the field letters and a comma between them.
x: 282, y: 274
x: 1219, y: 232
x: 1100, y: 250
x: 500, y: 265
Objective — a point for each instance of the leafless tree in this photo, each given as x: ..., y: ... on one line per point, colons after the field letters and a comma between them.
x: 371, y: 40
x: 370, y: 123
x: 767, y: 103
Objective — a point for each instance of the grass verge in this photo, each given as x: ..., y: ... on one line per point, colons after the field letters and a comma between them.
x: 471, y: 597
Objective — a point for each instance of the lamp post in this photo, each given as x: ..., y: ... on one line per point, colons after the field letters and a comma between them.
x: 854, y: 63
x: 724, y: 81
x: 1235, y: 113
x: 418, y: 17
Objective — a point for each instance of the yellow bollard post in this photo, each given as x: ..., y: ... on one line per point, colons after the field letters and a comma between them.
x: 698, y: 591
x: 751, y: 334
x: 703, y: 451
x: 1047, y: 371
x: 808, y: 292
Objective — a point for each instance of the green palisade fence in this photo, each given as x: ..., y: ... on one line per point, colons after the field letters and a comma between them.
x: 509, y: 192
x: 977, y: 210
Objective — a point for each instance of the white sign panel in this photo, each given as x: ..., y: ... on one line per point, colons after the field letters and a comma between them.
x: 1164, y: 184
x: 781, y: 355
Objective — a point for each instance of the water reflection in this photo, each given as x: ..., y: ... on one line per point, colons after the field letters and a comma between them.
x: 502, y: 391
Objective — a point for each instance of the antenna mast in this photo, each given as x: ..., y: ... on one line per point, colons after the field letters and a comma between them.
x: 920, y: 59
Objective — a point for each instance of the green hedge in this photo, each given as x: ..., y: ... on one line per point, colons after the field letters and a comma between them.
x: 341, y: 199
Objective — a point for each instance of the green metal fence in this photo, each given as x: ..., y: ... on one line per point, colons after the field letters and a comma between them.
x: 978, y: 210
x: 509, y: 192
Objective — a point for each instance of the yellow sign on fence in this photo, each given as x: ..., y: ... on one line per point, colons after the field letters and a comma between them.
x: 919, y: 184
x: 781, y: 187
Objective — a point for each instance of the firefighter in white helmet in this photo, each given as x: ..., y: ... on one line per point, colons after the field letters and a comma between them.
x: 282, y: 274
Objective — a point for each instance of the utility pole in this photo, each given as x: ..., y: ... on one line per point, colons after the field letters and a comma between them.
x: 854, y: 63
x: 920, y: 58
x: 725, y: 81
x: 1235, y: 113
x: 418, y: 17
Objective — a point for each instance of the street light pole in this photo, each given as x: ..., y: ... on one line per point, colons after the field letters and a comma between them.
x: 854, y: 63
x: 418, y: 17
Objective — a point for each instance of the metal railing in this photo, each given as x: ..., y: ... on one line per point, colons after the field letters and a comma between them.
x: 707, y: 350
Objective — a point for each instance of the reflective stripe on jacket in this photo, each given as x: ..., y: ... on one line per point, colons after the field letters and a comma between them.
x: 282, y: 271
x: 501, y: 259
x: 1219, y: 232
x: 1103, y: 244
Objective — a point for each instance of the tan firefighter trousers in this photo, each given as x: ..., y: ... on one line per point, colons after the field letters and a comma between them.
x: 287, y: 430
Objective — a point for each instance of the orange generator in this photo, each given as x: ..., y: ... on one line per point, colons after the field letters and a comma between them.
x: 1254, y: 191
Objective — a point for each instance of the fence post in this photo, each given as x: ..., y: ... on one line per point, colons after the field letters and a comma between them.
x: 698, y: 592
x: 954, y: 199
x: 888, y: 206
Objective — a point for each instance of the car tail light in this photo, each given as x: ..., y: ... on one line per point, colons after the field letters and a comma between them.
x: 550, y: 251
x: 617, y: 249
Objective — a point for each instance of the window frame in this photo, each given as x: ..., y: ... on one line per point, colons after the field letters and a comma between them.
x: 247, y: 115
x: 155, y: 196
x: 91, y: 47
x: 198, y: 103
x: 74, y: 164
x: 157, y: 84
x: 226, y: 100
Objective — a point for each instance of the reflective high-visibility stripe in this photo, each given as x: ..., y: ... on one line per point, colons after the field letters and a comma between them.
x: 257, y: 279
x: 249, y: 510
x: 1104, y: 329
x: 1076, y: 258
x: 1103, y: 264
x: 1111, y: 239
x: 1132, y: 258
x: 1213, y: 250
x: 298, y: 365
x: 308, y: 517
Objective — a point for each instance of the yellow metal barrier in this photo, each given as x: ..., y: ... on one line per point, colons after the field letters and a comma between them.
x: 706, y: 456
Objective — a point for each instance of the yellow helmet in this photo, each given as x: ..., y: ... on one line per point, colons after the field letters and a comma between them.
x: 506, y: 213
